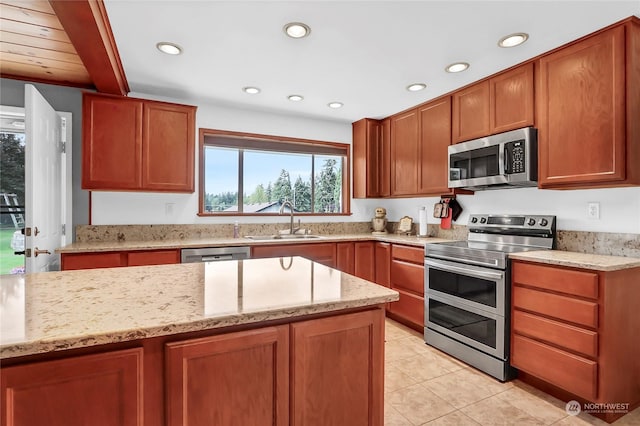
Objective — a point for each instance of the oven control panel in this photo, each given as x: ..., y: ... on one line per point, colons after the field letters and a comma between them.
x: 533, y: 222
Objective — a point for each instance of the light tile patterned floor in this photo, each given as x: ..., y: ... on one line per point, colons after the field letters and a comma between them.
x: 424, y: 386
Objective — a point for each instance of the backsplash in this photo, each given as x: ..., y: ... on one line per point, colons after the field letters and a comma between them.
x: 614, y: 244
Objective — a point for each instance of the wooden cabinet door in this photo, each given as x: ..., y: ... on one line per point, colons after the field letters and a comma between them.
x: 111, y: 142
x: 383, y: 264
x: 102, y: 390
x: 72, y: 261
x: 404, y: 153
x: 237, y: 378
x: 384, y: 161
x: 471, y: 112
x: 337, y: 370
x: 364, y: 260
x: 581, y: 112
x: 366, y: 158
x: 511, y: 99
x: 168, y: 147
x: 153, y: 257
x: 435, y: 137
x: 345, y: 260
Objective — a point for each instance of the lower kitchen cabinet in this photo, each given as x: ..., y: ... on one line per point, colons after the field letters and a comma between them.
x: 324, y: 253
x: 71, y: 261
x: 102, y: 390
x: 364, y: 260
x: 407, y: 278
x: 337, y: 370
x: 574, y: 332
x: 382, y: 253
x: 320, y: 371
x: 237, y: 378
x: 345, y: 257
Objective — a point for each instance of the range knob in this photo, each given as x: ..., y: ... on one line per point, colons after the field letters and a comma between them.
x: 544, y: 222
x: 531, y: 222
x: 474, y: 219
x: 483, y: 220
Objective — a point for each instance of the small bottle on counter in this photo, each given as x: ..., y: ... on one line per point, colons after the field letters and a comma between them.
x: 236, y: 230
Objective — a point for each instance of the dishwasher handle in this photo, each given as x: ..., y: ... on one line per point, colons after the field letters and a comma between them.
x: 217, y: 257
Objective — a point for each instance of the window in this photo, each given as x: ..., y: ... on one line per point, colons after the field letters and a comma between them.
x: 255, y: 174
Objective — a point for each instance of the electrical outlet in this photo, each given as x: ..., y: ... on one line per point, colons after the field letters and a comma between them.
x: 168, y: 209
x: 593, y: 210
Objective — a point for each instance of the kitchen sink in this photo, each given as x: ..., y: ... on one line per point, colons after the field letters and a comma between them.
x: 283, y: 237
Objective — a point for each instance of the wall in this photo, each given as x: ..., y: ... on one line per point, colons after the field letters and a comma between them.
x: 619, y: 207
x: 66, y: 99
x: 151, y: 208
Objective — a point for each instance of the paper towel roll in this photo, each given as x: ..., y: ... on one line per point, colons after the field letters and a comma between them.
x: 422, y: 219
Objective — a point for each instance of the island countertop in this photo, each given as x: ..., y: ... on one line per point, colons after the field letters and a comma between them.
x: 53, y: 311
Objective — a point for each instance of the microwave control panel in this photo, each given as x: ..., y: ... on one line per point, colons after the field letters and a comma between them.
x: 515, y: 157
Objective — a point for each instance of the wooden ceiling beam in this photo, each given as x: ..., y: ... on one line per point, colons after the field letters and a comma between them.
x: 87, y: 25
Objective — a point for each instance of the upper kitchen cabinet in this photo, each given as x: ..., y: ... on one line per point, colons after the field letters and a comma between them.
x: 404, y: 153
x: 588, y: 109
x: 137, y: 145
x: 434, y: 138
x: 370, y: 159
x: 501, y: 103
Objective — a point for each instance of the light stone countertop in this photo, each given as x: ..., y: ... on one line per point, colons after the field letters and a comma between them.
x: 597, y: 262
x: 52, y: 311
x: 228, y: 242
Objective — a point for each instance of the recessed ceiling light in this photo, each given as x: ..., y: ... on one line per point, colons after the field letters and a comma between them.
x: 251, y: 90
x: 335, y: 105
x: 297, y: 30
x: 295, y: 98
x: 513, y: 40
x: 416, y: 87
x: 169, y: 48
x: 457, y: 67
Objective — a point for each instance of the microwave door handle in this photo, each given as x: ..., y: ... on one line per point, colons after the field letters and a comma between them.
x: 501, y: 156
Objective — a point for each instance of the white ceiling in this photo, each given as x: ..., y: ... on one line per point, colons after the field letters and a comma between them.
x: 361, y: 53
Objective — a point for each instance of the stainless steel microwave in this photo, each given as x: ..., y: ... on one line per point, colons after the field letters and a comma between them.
x: 508, y: 159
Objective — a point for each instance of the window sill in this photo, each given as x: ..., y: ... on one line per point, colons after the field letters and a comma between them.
x: 201, y: 214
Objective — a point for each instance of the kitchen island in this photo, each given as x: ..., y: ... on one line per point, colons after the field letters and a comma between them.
x: 261, y: 341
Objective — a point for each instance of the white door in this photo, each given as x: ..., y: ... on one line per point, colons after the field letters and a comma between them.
x: 43, y: 183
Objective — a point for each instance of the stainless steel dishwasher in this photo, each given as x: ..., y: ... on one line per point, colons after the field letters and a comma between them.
x: 214, y: 254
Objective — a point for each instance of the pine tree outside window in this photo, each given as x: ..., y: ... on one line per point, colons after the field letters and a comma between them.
x: 247, y: 174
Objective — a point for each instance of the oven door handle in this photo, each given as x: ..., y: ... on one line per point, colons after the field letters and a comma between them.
x: 450, y: 267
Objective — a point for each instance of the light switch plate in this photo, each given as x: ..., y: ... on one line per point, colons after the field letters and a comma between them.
x: 593, y: 210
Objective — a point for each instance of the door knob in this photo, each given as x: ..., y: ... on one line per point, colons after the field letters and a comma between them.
x: 36, y: 252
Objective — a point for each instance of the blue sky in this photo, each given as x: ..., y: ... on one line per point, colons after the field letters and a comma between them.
x: 259, y: 167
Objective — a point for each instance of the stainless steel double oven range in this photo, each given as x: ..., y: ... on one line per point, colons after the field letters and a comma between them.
x: 468, y: 288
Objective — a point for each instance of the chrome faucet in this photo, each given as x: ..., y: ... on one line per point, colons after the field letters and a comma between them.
x: 286, y: 203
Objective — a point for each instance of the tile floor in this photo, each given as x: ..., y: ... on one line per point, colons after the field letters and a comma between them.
x: 424, y: 386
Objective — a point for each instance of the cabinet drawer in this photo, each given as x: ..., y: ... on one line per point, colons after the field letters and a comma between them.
x: 409, y: 307
x: 553, y: 305
x: 567, y: 371
x: 93, y: 260
x: 154, y: 257
x: 584, y: 284
x: 572, y: 338
x: 407, y: 276
x: 410, y: 254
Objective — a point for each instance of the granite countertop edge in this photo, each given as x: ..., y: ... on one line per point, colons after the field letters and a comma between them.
x: 551, y: 257
x: 105, y: 246
x: 54, y: 344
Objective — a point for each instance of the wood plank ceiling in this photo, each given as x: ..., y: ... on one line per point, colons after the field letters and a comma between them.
x: 60, y: 42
